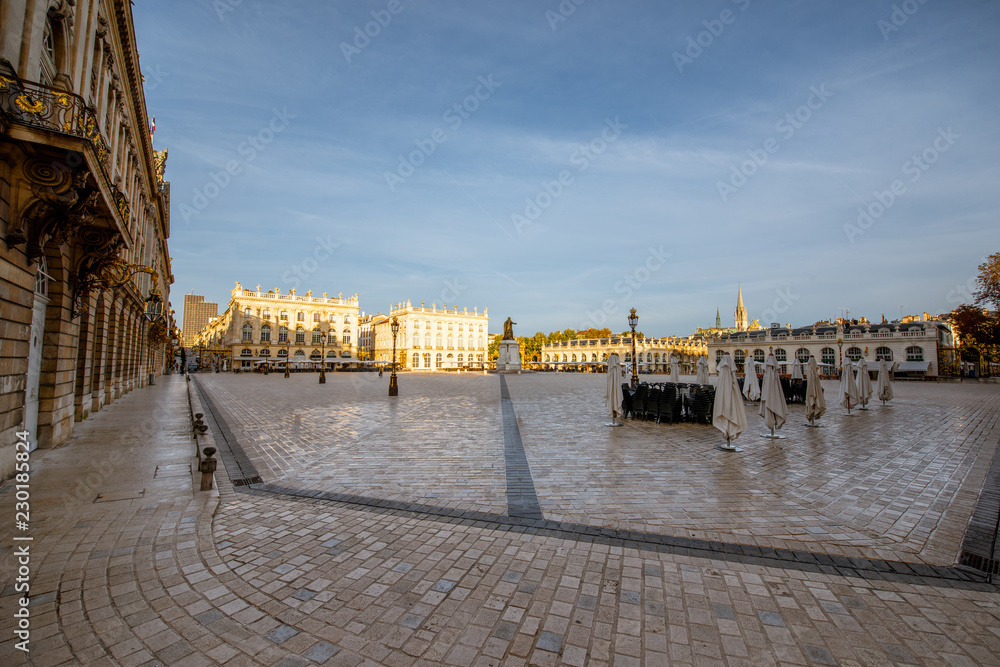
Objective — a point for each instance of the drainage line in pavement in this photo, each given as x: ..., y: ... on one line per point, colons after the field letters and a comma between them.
x: 522, y: 501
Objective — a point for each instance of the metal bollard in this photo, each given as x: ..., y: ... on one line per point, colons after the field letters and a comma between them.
x: 207, y: 468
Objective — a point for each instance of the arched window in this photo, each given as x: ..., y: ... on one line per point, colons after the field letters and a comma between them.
x: 914, y: 353
x: 315, y: 355
x: 246, y: 352
x: 437, y: 361
x: 780, y: 354
x: 828, y: 355
x: 437, y: 340
x: 883, y: 353
x: 331, y: 353
x: 265, y: 334
x: 547, y: 358
x: 345, y: 335
x: 853, y: 353
x: 480, y: 342
x: 427, y: 359
x: 416, y: 340
x: 427, y: 340
x: 628, y: 356
x: 282, y: 334
x: 758, y: 355
x: 461, y: 342
x: 593, y: 356
x: 331, y: 337
x: 247, y: 332
x: 656, y: 357
x: 802, y: 354
x: 282, y: 353
x: 300, y: 335
x: 564, y: 358
x: 573, y: 358
x: 265, y: 352
x: 451, y: 341
x: 299, y: 355
x: 460, y: 358
x: 317, y: 336
x: 718, y: 357
x: 416, y: 360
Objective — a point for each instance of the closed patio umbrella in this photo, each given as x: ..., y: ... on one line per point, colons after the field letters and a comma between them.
x: 864, y: 384
x: 815, y: 401
x: 613, y: 396
x: 796, y: 370
x: 675, y: 369
x: 751, y: 385
x: 883, y: 383
x: 848, y: 387
x: 729, y: 415
x: 703, y: 370
x: 772, y: 398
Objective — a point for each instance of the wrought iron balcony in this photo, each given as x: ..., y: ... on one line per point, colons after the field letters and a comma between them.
x: 36, y: 105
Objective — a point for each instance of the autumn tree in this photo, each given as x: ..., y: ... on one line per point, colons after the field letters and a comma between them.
x: 978, y: 326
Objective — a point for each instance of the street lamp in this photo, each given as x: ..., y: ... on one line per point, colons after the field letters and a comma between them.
x: 288, y: 350
x: 322, y: 360
x: 633, y: 320
x: 840, y: 351
x: 393, y: 387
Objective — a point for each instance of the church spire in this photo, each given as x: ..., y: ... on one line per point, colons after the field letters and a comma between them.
x: 741, y: 312
x: 718, y: 319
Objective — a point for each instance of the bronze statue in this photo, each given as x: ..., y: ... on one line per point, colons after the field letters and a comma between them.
x: 508, y: 329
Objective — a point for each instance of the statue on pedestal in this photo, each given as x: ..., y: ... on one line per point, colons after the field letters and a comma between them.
x: 508, y: 329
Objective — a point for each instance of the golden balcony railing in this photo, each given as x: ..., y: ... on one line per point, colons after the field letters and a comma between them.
x: 36, y: 105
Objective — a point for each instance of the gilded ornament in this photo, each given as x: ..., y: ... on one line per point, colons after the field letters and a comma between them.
x: 24, y: 103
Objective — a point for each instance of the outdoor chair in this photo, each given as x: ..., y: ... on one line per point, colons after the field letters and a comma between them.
x: 627, y: 405
x: 668, y: 404
x: 653, y: 403
x: 639, y: 401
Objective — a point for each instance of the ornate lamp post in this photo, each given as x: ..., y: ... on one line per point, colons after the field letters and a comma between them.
x: 393, y: 386
x: 633, y: 320
x: 322, y: 360
x: 840, y: 353
x: 288, y: 350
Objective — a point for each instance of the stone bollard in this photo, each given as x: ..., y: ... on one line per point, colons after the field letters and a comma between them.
x: 207, y: 468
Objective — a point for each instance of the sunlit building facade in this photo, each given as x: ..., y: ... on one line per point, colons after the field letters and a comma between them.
x: 433, y: 338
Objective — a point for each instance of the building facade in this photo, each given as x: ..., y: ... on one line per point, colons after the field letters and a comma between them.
x: 433, y: 339
x: 653, y: 353
x: 268, y: 327
x: 197, y: 313
x: 84, y: 216
x: 919, y: 348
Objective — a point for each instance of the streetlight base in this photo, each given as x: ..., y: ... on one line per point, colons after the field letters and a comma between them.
x: 322, y: 377
x: 393, y: 386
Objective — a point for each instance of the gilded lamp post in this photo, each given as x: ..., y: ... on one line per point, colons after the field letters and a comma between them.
x: 322, y: 360
x: 633, y: 320
x: 288, y: 359
x: 393, y: 387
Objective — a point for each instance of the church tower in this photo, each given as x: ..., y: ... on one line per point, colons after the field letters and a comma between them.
x: 718, y: 319
x: 741, y: 312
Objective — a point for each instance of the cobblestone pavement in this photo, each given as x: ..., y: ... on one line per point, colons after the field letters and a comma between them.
x: 894, y: 482
x: 180, y: 577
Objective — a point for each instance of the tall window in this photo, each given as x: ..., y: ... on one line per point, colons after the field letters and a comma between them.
x: 437, y: 361
x: 416, y: 340
x: 317, y: 336
x: 267, y: 314
x: 247, y: 332
x: 802, y: 354
x: 300, y: 335
x: 416, y: 360
x: 853, y: 353
x: 331, y: 338
x: 300, y: 317
x: 828, y: 355
x: 315, y: 317
x: 345, y: 336
x: 282, y: 334
x: 265, y: 334
x: 451, y: 341
x: 437, y: 340
x: 284, y: 315
x: 758, y: 355
x: 883, y: 353
x: 780, y: 354
x: 914, y: 353
x: 461, y: 341
x: 427, y: 340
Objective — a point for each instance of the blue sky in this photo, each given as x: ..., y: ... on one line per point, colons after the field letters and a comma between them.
x: 561, y: 163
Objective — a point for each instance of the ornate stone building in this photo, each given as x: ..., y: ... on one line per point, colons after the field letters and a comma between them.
x: 260, y: 326
x: 653, y: 353
x: 433, y: 338
x: 84, y: 218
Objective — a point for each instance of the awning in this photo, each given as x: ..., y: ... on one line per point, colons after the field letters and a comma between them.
x: 913, y: 366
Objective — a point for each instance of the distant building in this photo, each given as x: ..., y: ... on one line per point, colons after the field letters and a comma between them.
x: 197, y: 314
x: 433, y: 338
x: 261, y: 326
x: 915, y: 348
x: 740, y: 318
x: 653, y: 353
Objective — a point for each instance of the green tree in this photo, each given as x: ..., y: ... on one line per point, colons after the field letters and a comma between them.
x: 979, y: 328
x: 988, y: 280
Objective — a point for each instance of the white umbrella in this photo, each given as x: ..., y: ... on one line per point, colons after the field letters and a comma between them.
x: 751, y: 386
x: 883, y: 384
x: 675, y: 369
x: 848, y: 387
x: 702, y: 370
x: 613, y: 396
x: 796, y: 370
x: 772, y: 399
x: 729, y: 415
x: 864, y: 384
x: 815, y: 401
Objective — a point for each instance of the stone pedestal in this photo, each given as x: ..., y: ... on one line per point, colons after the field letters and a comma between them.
x: 509, y: 358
